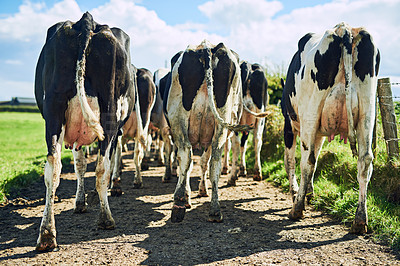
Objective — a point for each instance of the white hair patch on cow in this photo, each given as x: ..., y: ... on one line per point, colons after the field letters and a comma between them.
x: 122, y: 108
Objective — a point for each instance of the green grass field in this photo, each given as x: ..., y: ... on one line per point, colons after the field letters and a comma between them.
x: 23, y: 150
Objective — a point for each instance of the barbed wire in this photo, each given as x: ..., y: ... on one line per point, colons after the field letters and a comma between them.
x: 395, y: 97
x: 391, y: 83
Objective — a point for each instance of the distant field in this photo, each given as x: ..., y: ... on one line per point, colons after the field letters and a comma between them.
x: 22, y: 149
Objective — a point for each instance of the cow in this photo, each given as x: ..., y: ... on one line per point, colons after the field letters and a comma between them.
x: 84, y: 89
x: 203, y: 102
x: 255, y: 100
x: 330, y: 90
x: 162, y: 79
x: 136, y: 128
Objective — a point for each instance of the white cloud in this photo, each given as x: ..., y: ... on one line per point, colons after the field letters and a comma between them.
x: 274, y: 39
x: 13, y: 62
x: 231, y: 13
x: 33, y: 20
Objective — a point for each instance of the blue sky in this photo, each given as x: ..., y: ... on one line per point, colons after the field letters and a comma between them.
x: 259, y: 31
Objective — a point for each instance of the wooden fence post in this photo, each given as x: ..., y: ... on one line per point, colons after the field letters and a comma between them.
x: 388, y: 117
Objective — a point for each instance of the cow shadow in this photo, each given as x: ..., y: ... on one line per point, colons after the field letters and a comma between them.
x: 193, y: 241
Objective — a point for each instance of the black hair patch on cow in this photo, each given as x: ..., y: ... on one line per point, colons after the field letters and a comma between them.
x: 313, y: 75
x: 294, y: 68
x: 347, y: 42
x: 164, y: 83
x: 244, y: 73
x: 191, y: 76
x: 302, y: 72
x: 223, y: 74
x: 175, y: 58
x: 164, y: 91
x: 311, y: 158
x: 146, y: 89
x: 377, y: 62
x: 288, y: 133
x: 258, y: 88
x: 245, y: 136
x: 327, y: 64
x: 304, y: 146
x: 365, y: 56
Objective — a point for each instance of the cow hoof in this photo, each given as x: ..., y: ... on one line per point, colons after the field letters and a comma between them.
x: 106, y: 224
x: 257, y: 177
x: 178, y: 213
x: 174, y: 172
x: 47, y: 242
x: 215, y: 218
x: 116, y: 192
x: 203, y: 193
x: 224, y: 171
x: 232, y: 182
x: 358, y: 228
x: 137, y: 185
x: 166, y: 179
x: 242, y: 172
x: 295, y: 215
x: 80, y: 207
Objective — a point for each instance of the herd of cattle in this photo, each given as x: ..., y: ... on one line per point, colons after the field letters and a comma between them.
x: 87, y: 90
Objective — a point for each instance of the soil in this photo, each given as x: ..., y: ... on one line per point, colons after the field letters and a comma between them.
x: 255, y: 230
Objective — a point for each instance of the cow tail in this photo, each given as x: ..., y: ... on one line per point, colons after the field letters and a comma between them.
x: 88, y: 115
x: 258, y: 115
x: 210, y: 92
x: 348, y: 70
x: 140, y: 130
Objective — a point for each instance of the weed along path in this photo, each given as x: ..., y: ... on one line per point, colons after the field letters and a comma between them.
x: 255, y: 229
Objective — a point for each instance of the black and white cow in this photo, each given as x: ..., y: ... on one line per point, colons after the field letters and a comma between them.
x: 162, y: 78
x: 330, y: 90
x: 203, y: 102
x: 255, y: 100
x: 84, y: 88
x: 136, y: 128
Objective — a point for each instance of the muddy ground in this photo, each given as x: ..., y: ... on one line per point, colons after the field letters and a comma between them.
x: 255, y: 229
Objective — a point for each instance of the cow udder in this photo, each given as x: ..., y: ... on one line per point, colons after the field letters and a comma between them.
x: 334, y: 115
x: 76, y: 129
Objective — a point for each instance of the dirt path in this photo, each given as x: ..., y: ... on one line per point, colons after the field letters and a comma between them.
x: 255, y: 230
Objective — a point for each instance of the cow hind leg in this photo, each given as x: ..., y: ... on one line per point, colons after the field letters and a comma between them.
x: 102, y: 181
x: 257, y: 140
x: 205, y: 158
x: 215, y: 214
x: 290, y: 166
x: 138, y: 156
x: 225, y: 160
x: 47, y: 234
x: 80, y: 170
x: 365, y: 167
x: 233, y: 176
x: 309, y: 156
x: 167, y: 150
x: 243, y: 148
x: 182, y: 191
x: 116, y: 166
